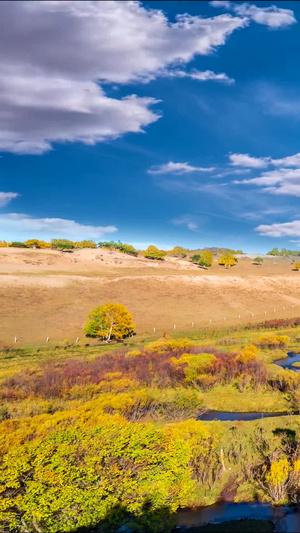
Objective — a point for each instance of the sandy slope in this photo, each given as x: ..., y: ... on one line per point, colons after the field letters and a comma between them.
x: 48, y: 293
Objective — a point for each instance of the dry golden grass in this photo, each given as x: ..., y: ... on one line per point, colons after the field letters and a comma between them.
x: 49, y: 293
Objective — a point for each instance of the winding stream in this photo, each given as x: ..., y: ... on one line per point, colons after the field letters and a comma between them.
x: 286, y: 518
x: 224, y: 416
x: 287, y: 362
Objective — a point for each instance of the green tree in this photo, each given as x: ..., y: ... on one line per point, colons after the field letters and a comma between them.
x: 17, y: 244
x: 62, y: 244
x: 154, y: 253
x: 274, y: 251
x: 258, y: 260
x: 196, y: 258
x: 110, y: 321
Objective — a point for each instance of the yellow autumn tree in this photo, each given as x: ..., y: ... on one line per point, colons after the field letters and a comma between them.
x: 227, y: 260
x: 154, y: 253
x: 277, y: 480
x: 109, y: 321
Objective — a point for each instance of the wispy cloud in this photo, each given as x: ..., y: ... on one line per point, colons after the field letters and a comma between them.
x: 204, y: 75
x: 189, y: 221
x: 177, y: 168
x: 6, y: 197
x: 21, y: 224
x: 232, y: 172
x: 271, y: 16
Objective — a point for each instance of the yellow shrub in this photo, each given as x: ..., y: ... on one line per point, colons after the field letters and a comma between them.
x: 272, y: 341
x: 133, y: 353
x: 194, y: 365
x: 248, y: 353
x: 163, y: 345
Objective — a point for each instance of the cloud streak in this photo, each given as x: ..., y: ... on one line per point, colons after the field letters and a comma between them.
x: 6, y: 197
x: 21, y: 224
x: 177, y: 168
x: 200, y: 75
x: 188, y: 221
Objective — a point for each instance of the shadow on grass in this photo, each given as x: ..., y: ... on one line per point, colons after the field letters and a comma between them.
x: 120, y: 520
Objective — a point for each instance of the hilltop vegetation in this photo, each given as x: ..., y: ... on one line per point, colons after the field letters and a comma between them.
x: 109, y: 434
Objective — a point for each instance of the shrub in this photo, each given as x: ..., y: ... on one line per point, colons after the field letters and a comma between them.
x: 109, y: 321
x: 85, y: 244
x: 196, y: 258
x: 193, y: 365
x: 154, y: 253
x: 35, y: 243
x: 17, y: 244
x: 62, y: 244
x: 206, y: 258
x: 248, y: 353
x: 297, y: 266
x: 178, y: 251
x: 128, y: 249
x: 118, y: 246
x: 272, y: 341
x: 80, y: 470
x: 258, y: 260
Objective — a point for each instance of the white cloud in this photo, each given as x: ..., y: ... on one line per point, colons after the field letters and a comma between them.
x: 272, y: 16
x: 287, y: 229
x: 186, y: 220
x: 177, y: 168
x: 56, y: 53
x: 6, y: 197
x: 19, y: 225
x: 289, y: 161
x: 279, y: 181
x: 245, y: 160
x: 204, y: 75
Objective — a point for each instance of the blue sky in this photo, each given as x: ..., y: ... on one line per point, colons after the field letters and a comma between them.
x: 167, y: 123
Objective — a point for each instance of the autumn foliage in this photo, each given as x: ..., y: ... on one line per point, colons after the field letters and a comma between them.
x: 109, y: 321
